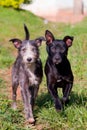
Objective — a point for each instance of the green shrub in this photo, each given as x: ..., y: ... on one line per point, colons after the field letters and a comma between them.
x: 27, y: 1
x: 11, y: 3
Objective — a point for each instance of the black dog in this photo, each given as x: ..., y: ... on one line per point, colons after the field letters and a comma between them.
x: 57, y: 69
x: 27, y: 72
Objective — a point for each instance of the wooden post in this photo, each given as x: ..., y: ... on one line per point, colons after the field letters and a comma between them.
x: 78, y: 7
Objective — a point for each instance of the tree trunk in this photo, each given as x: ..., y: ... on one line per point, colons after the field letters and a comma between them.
x: 78, y: 7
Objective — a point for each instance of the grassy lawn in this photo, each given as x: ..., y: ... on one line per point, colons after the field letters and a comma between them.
x: 74, y: 116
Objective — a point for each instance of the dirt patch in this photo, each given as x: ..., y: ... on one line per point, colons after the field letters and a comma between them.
x: 5, y: 74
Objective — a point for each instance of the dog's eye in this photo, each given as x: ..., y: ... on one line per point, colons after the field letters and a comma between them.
x: 53, y: 49
x: 33, y: 49
x: 23, y: 49
x: 62, y: 49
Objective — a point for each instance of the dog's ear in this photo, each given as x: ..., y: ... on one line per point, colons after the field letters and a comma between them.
x: 39, y: 40
x: 27, y: 35
x: 49, y: 37
x: 68, y: 40
x: 16, y: 42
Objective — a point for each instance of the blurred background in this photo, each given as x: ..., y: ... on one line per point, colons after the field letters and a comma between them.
x: 58, y: 10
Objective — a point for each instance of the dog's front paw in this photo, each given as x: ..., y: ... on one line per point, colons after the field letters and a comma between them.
x: 31, y: 120
x: 65, y: 101
x: 14, y: 106
x: 58, y: 106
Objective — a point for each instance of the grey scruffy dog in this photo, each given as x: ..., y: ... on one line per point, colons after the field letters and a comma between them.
x: 27, y: 72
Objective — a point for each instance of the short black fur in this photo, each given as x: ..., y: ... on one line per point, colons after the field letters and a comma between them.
x: 58, y: 70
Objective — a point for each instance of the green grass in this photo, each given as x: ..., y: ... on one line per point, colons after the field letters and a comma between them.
x: 74, y: 116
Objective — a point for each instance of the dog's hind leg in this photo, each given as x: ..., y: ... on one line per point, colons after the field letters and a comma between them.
x: 15, y: 84
x: 14, y: 95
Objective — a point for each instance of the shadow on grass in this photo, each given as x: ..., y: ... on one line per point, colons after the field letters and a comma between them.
x: 78, y: 99
x: 45, y: 100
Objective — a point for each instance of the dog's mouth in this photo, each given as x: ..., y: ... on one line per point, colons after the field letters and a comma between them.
x: 56, y: 62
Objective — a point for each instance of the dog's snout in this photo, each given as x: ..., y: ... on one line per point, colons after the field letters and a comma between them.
x: 57, y: 58
x: 29, y: 59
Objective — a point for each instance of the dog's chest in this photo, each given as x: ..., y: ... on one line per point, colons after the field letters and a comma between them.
x: 33, y: 79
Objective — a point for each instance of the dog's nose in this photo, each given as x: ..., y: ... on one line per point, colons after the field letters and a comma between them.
x: 29, y: 59
x: 57, y: 58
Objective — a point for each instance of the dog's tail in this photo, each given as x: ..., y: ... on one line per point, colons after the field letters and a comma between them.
x: 27, y: 35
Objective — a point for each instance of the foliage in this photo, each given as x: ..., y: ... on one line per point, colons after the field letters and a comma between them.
x: 27, y: 1
x: 13, y: 3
